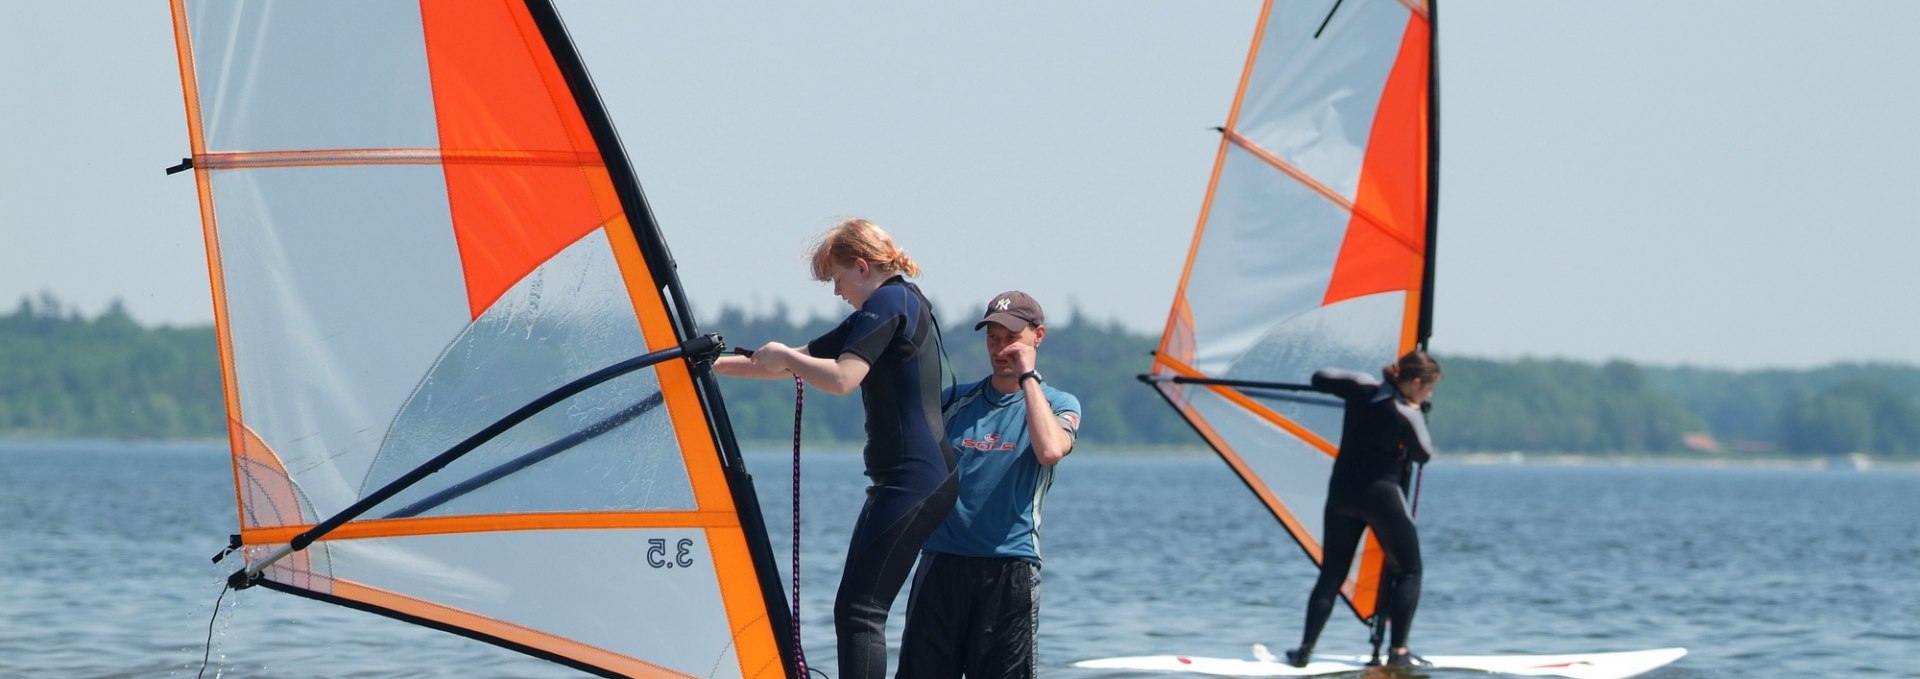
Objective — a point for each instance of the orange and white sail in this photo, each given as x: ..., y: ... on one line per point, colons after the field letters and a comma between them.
x: 1313, y: 250
x: 419, y: 220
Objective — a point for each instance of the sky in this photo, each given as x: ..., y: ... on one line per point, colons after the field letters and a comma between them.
x: 1715, y: 183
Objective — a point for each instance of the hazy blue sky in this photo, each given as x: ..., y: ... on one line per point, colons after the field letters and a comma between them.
x: 1727, y: 183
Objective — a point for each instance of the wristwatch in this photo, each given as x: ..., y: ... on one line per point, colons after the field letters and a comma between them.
x: 1035, y: 374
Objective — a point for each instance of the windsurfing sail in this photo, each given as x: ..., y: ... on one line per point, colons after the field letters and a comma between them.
x: 423, y: 235
x: 1314, y: 249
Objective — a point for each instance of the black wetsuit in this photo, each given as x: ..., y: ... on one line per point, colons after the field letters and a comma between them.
x: 1380, y: 435
x: 908, y: 458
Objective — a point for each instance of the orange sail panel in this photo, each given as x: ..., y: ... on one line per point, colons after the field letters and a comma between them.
x: 486, y: 98
x: 1312, y: 250
x: 416, y: 225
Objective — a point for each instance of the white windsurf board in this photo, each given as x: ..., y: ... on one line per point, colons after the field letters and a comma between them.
x: 1614, y: 665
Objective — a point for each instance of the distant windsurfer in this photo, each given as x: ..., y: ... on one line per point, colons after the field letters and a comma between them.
x: 1384, y: 430
x: 890, y: 349
x: 975, y: 606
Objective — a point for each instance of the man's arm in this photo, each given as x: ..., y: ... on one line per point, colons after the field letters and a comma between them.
x: 1050, y: 441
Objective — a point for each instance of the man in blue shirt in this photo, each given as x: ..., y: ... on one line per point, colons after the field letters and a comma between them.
x: 975, y: 606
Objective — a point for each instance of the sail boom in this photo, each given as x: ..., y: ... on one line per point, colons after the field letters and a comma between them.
x: 1248, y: 405
x: 1256, y: 384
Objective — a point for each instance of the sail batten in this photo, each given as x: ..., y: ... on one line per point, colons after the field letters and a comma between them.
x: 1281, y: 165
x: 234, y: 160
x: 1313, y: 250
x: 420, y: 227
x: 489, y: 523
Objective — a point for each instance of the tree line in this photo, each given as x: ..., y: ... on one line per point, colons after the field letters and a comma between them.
x: 63, y: 374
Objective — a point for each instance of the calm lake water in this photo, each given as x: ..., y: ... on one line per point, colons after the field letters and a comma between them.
x: 104, y: 569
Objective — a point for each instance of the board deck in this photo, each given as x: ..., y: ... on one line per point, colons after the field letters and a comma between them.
x: 1614, y: 665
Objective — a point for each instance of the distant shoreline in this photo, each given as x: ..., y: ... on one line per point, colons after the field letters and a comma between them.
x: 1837, y: 463
x: 1479, y: 458
x: 1606, y: 459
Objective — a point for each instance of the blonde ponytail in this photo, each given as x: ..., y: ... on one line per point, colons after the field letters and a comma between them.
x: 859, y: 239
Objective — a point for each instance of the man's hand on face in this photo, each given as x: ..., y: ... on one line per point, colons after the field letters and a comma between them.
x: 1021, y: 355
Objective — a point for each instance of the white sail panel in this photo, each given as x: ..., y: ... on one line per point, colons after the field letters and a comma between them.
x: 569, y: 317
x: 1312, y: 101
x: 657, y: 603
x: 298, y: 75
x: 1267, y: 251
x: 1357, y: 334
x: 343, y: 289
x: 1273, y: 460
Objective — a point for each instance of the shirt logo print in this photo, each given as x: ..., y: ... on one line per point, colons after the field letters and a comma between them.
x: 989, y: 442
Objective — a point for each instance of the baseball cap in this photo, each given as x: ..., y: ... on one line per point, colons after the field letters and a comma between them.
x: 1013, y: 309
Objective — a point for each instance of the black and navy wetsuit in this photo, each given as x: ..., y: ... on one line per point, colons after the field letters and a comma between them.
x: 1380, y: 435
x: 908, y: 458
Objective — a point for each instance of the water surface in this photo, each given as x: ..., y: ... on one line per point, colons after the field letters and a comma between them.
x: 104, y: 569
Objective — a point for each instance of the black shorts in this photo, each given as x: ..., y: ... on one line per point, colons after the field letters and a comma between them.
x: 977, y: 616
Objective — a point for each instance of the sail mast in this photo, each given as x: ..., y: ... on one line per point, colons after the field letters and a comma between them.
x: 1433, y: 170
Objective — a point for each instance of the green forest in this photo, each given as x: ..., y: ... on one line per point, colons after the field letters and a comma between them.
x: 65, y: 375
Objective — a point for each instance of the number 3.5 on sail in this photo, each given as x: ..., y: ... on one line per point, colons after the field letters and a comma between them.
x: 657, y: 553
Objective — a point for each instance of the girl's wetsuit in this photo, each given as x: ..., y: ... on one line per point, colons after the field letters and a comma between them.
x: 1380, y: 434
x: 907, y: 456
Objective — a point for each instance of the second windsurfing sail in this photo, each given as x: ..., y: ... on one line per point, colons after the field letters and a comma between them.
x: 1313, y: 249
x: 418, y: 221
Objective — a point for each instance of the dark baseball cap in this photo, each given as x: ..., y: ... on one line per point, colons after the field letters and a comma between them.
x: 1014, y: 310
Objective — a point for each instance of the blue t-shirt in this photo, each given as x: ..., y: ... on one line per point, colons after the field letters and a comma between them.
x: 1002, y: 486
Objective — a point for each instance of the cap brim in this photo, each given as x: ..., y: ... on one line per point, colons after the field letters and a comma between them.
x: 1008, y: 321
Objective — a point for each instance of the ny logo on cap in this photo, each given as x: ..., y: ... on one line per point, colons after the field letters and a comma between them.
x: 1002, y: 304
